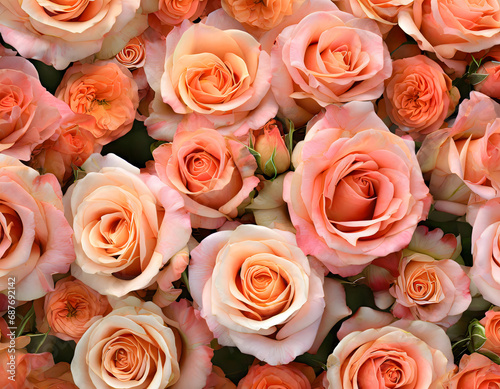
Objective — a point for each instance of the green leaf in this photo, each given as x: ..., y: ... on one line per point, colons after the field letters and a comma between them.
x: 270, y: 169
x: 476, y: 78
x: 477, y: 336
x: 289, y: 137
x: 495, y: 358
x: 233, y: 362
x: 24, y: 322
x: 256, y: 155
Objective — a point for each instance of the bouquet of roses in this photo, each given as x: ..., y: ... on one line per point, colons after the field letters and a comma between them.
x: 200, y: 194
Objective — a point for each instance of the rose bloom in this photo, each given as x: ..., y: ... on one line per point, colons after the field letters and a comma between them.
x: 491, y: 85
x: 260, y: 16
x: 127, y: 227
x: 357, y: 192
x: 139, y: 346
x: 173, y: 12
x: 491, y: 324
x: 59, y: 33
x: 213, y: 174
x: 133, y: 55
x: 410, y: 355
x: 220, y: 74
x: 475, y: 371
x: 259, y: 292
x: 291, y: 376
x: 29, y: 114
x: 418, y: 96
x: 431, y: 290
x: 73, y: 145
x: 35, y: 238
x: 70, y: 309
x: 328, y: 57
x: 105, y: 90
x: 448, y: 27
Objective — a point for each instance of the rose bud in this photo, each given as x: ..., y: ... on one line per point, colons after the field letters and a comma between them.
x: 490, y: 85
x: 274, y: 155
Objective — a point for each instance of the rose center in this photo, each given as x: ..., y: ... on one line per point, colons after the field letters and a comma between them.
x: 392, y: 374
x: 11, y: 230
x: 424, y: 286
x: 71, y: 10
x: 202, y: 166
x: 10, y: 97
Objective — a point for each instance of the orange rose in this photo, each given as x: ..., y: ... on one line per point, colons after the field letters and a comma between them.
x: 491, y: 323
x: 105, y: 90
x: 291, y: 376
x: 475, y: 371
x: 491, y: 85
x: 133, y: 55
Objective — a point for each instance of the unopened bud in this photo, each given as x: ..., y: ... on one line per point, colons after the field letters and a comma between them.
x: 274, y: 155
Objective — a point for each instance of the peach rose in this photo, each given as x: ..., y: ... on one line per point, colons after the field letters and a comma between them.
x: 475, y: 371
x: 328, y: 57
x: 432, y: 290
x: 418, y: 96
x: 127, y: 227
x: 260, y: 16
x: 357, y: 192
x: 29, y: 114
x: 213, y: 174
x: 59, y: 33
x: 491, y: 324
x: 410, y: 355
x: 105, y: 90
x: 138, y: 346
x: 491, y: 85
x: 133, y: 55
x: 220, y: 74
x: 70, y: 309
x: 448, y: 27
x: 291, y: 376
x: 35, y: 238
x: 259, y: 292
x: 73, y: 145
x: 174, y: 12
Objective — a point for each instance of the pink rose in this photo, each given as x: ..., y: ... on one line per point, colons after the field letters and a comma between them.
x: 357, y: 192
x: 328, y: 57
x: 491, y: 85
x: 291, y: 376
x: 35, y: 238
x: 220, y: 74
x: 448, y: 27
x: 418, y: 96
x: 127, y: 227
x: 138, y: 346
x: 405, y: 354
x: 59, y: 33
x: 432, y: 290
x: 475, y: 371
x: 29, y: 114
x: 174, y: 12
x: 105, y: 90
x: 259, y: 292
x: 214, y: 174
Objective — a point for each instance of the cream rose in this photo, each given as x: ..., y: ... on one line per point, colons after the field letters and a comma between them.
x: 259, y: 292
x: 59, y: 33
x: 220, y: 74
x: 127, y: 227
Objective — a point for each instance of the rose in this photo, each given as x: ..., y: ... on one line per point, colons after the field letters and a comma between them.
x: 70, y: 309
x: 213, y: 174
x: 448, y: 27
x: 291, y: 376
x: 173, y: 12
x: 412, y: 355
x: 491, y: 324
x: 490, y: 85
x: 60, y: 33
x: 431, y: 290
x: 357, y: 192
x: 105, y: 90
x: 133, y: 55
x: 328, y: 57
x: 35, y: 238
x: 137, y: 345
x: 259, y: 292
x: 127, y: 227
x: 475, y: 371
x: 417, y: 96
x: 29, y: 114
x: 220, y: 74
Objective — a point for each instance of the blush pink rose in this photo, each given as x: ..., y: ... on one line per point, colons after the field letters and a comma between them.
x: 292, y: 376
x: 447, y: 27
x: 405, y: 354
x: 418, y: 96
x: 221, y: 74
x: 127, y: 225
x: 475, y: 371
x: 105, y: 90
x: 213, y: 174
x: 432, y: 290
x: 139, y: 346
x: 59, y: 33
x: 35, y: 238
x: 329, y: 57
x: 357, y: 192
x: 259, y: 292
x: 29, y: 114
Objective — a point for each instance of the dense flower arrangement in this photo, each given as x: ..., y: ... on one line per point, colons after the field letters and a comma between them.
x: 217, y: 194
